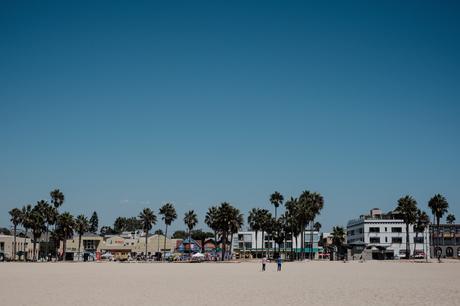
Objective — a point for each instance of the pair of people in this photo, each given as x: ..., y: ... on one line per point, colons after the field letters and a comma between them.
x: 265, y: 261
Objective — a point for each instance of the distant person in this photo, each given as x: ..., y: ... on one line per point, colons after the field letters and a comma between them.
x: 279, y: 262
x: 264, y: 263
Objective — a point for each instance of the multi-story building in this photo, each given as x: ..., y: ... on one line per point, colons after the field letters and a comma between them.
x: 445, y: 240
x: 246, y: 243
x: 383, y: 236
x: 23, y: 245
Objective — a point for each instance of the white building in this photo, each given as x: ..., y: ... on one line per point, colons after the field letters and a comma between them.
x: 246, y: 242
x: 383, y: 236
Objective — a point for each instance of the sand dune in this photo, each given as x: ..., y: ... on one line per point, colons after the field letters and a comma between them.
x: 312, y: 283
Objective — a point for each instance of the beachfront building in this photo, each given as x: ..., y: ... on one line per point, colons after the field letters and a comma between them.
x: 23, y: 245
x: 383, y: 236
x: 90, y: 245
x: 155, y: 245
x: 247, y: 244
x: 445, y: 240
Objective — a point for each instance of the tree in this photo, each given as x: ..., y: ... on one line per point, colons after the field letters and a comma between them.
x: 276, y: 199
x: 37, y: 224
x: 438, y: 205
x: 407, y: 209
x: 26, y: 223
x: 338, y: 237
x: 314, y: 203
x: 211, y: 221
x: 107, y: 230
x: 94, y: 223
x: 16, y: 217
x: 317, y: 226
x: 254, y: 222
x: 293, y: 221
x: 421, y: 222
x: 190, y: 220
x: 147, y: 218
x: 228, y: 221
x: 57, y: 198
x: 169, y: 215
x: 450, y: 219
x: 64, y: 230
x: 179, y: 235
x: 265, y: 218
x: 50, y: 214
x: 82, y: 225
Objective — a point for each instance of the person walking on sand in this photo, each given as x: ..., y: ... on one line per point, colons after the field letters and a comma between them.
x: 278, y: 261
x: 264, y: 263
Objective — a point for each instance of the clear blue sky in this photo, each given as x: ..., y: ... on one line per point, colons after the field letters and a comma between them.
x: 126, y: 104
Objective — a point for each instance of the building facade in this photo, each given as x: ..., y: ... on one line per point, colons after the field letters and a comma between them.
x: 383, y: 236
x: 445, y: 240
x: 23, y: 245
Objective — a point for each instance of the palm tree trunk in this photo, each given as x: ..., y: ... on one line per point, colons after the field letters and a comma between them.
x: 47, y: 242
x: 311, y: 239
x: 224, y: 242
x: 146, y: 236
x: 24, y: 246
x: 79, y: 245
x: 407, y: 242
x: 302, y: 242
x: 255, y: 240
x: 14, y: 246
x: 164, y: 244
x: 34, y: 257
x: 263, y: 242
x: 64, y: 246
x: 415, y: 242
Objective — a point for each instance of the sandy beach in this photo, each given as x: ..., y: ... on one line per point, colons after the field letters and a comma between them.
x: 317, y: 283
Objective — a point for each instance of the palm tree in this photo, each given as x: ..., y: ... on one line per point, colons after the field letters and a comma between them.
x: 15, y: 214
x: 57, y: 198
x: 147, y: 219
x: 211, y: 221
x: 51, y: 214
x: 37, y: 224
x: 235, y: 224
x: 421, y: 222
x: 64, y: 230
x: 81, y: 227
x: 190, y: 220
x: 254, y: 223
x: 228, y: 221
x: 276, y: 199
x: 407, y: 209
x: 26, y: 223
x: 338, y: 237
x: 450, y: 219
x: 265, y: 226
x: 294, y: 222
x: 169, y: 215
x: 438, y: 205
x: 317, y: 226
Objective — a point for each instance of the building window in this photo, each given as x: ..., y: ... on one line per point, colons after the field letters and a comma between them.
x: 2, y: 246
x: 374, y: 229
x: 386, y: 229
x: 396, y: 240
x: 418, y: 239
x: 449, y: 252
x: 374, y: 240
x: 360, y: 230
x: 396, y: 229
x: 386, y: 238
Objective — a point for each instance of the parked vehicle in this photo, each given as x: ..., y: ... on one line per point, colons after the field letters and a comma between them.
x: 2, y: 256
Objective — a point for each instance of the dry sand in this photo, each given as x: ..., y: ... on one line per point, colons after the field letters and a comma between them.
x: 312, y: 283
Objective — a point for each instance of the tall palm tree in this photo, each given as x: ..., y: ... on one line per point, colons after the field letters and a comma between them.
x: 438, y: 205
x: 81, y: 227
x: 276, y: 199
x: 211, y: 221
x: 235, y: 224
x: 407, y: 209
x: 26, y: 223
x: 228, y: 220
x: 421, y: 222
x: 64, y: 230
x: 169, y: 215
x: 307, y: 208
x: 15, y: 214
x: 190, y: 220
x: 147, y: 219
x: 265, y: 226
x: 254, y: 223
x: 316, y: 205
x: 37, y: 224
x: 57, y: 198
x: 51, y: 214
x: 294, y: 223
x: 338, y: 237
